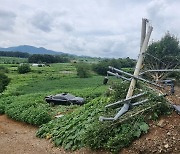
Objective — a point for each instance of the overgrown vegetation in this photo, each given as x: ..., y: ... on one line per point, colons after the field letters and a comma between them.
x: 24, y: 68
x: 14, y: 54
x: 82, y: 128
x: 102, y: 67
x: 4, y: 80
x: 83, y: 70
x: 163, y: 54
x: 38, y: 58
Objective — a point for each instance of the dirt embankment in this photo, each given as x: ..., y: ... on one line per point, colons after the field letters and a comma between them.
x: 163, y: 136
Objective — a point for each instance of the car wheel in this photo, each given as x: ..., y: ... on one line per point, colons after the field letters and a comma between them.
x: 51, y: 104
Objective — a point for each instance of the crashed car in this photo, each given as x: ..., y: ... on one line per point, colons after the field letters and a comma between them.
x: 64, y: 99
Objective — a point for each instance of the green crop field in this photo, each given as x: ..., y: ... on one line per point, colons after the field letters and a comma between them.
x: 12, y: 60
x: 23, y: 100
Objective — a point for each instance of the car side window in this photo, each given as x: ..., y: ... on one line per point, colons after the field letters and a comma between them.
x: 59, y: 97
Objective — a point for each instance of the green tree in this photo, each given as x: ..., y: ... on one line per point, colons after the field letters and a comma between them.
x: 163, y: 54
x: 24, y: 68
x: 83, y: 70
x: 102, y: 67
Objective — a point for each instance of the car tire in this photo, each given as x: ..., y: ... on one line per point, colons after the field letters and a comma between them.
x: 51, y: 104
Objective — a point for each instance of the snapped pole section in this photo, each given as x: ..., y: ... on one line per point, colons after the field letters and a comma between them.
x: 143, y: 31
x: 125, y: 107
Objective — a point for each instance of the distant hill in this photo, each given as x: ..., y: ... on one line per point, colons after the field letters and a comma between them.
x: 31, y: 50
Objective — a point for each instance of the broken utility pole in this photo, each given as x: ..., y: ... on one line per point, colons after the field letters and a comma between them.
x: 143, y: 47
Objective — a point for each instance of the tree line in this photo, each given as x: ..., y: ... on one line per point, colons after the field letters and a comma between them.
x: 38, y: 58
x: 14, y: 54
x: 102, y: 67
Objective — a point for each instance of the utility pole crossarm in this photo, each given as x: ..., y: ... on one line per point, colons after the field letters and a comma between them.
x: 133, y: 76
x: 125, y: 100
x: 163, y: 70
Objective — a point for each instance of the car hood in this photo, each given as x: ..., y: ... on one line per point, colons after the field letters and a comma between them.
x: 80, y: 99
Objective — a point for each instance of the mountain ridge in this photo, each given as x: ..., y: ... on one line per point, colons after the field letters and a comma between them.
x: 32, y: 50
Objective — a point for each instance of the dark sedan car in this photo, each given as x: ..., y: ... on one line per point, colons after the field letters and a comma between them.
x: 64, y: 99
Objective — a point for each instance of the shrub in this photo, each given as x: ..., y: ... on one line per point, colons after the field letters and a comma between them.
x: 4, y: 80
x: 102, y: 67
x: 83, y: 70
x: 3, y: 69
x: 24, y: 68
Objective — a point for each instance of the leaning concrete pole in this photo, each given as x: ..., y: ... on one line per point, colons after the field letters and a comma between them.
x: 137, y: 68
x: 143, y: 32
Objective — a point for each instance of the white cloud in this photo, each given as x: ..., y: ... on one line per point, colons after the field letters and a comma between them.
x: 42, y: 21
x: 106, y: 28
x: 7, y: 20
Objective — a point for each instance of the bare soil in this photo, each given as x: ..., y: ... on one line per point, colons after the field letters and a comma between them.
x: 163, y: 137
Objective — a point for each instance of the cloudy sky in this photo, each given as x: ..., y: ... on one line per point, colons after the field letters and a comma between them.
x: 101, y: 28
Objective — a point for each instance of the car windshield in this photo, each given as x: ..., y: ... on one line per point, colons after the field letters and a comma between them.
x: 64, y: 96
x: 69, y: 96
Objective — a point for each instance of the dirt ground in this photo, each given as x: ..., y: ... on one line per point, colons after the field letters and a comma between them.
x: 163, y: 137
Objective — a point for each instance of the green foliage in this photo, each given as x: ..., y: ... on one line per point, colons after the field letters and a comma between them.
x: 83, y: 70
x: 39, y: 58
x: 118, y: 90
x: 4, y: 81
x: 4, y: 101
x: 167, y: 53
x: 22, y: 108
x: 4, y: 69
x: 24, y: 68
x: 102, y: 67
x: 82, y: 128
x: 12, y: 60
x: 14, y: 54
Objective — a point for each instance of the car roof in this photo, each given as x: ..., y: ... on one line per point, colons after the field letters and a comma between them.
x: 65, y: 95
